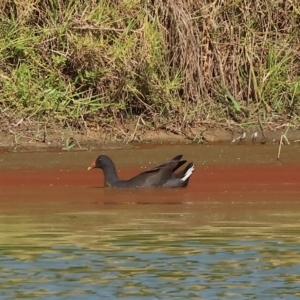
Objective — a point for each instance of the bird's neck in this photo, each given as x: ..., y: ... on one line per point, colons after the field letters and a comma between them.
x: 110, y: 175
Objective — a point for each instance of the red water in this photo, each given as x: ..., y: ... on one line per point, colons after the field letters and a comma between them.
x: 234, y: 230
x: 59, y: 181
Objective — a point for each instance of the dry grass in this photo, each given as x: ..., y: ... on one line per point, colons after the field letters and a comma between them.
x: 175, y: 63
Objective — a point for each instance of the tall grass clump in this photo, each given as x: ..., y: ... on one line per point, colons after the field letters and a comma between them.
x: 175, y: 64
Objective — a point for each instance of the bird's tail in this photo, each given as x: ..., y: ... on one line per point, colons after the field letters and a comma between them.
x: 188, y: 172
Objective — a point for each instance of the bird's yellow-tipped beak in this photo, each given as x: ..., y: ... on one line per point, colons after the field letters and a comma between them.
x: 92, y: 166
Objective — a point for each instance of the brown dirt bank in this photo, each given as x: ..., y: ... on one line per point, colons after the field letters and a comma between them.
x: 24, y: 135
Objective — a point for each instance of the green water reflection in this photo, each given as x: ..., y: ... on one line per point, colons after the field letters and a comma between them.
x: 150, y: 252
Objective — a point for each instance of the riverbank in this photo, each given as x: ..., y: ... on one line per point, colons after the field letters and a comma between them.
x: 80, y: 74
x: 24, y: 135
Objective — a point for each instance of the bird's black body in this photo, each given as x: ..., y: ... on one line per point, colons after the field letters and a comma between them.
x: 161, y: 176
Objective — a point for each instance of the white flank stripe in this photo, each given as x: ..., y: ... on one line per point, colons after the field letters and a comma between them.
x: 188, y: 173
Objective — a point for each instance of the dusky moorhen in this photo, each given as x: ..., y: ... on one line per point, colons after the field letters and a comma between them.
x: 161, y: 176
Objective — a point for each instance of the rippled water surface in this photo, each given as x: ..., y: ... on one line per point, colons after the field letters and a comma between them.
x: 233, y: 233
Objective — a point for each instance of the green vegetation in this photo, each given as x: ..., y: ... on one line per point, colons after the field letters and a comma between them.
x: 171, y: 64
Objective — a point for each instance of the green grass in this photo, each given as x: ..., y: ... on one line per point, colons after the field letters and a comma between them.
x: 188, y: 63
